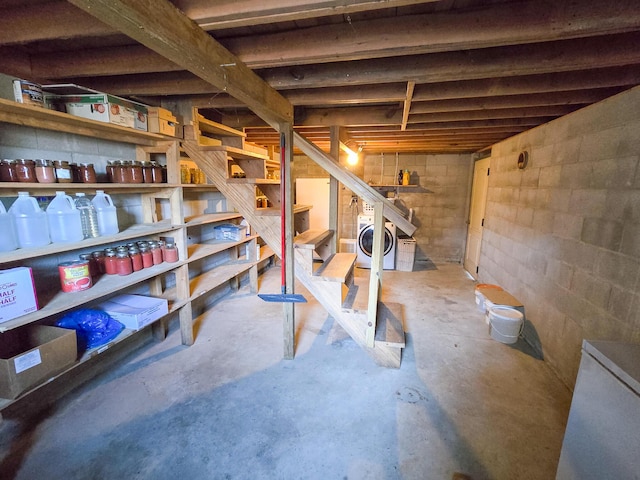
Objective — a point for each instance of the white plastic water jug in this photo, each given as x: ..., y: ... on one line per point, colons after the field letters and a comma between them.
x: 8, y: 235
x: 65, y: 224
x: 107, y: 214
x: 31, y: 222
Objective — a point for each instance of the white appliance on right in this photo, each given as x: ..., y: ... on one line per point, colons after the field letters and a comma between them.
x: 364, y: 243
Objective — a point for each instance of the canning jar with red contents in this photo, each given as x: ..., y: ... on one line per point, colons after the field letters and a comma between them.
x: 45, y: 173
x: 170, y: 253
x: 93, y: 267
x: 136, y: 172
x: 25, y: 170
x: 123, y: 264
x: 87, y: 173
x: 156, y: 253
x: 147, y: 257
x: 8, y: 171
x: 136, y: 259
x: 156, y: 172
x: 110, y: 263
x: 99, y: 258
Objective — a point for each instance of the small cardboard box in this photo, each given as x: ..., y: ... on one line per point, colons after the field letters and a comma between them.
x: 17, y: 293
x: 94, y: 105
x: 162, y: 121
x: 135, y: 311
x: 31, y: 355
x: 28, y: 93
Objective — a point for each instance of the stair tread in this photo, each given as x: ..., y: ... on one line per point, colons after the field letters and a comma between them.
x: 337, y: 267
x: 275, y: 211
x: 390, y: 325
x: 311, y: 238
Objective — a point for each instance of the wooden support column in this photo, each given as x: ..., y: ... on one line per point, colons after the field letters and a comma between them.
x: 285, y: 177
x: 334, y: 189
x: 375, y: 279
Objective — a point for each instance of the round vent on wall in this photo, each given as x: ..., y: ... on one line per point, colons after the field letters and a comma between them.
x: 523, y: 159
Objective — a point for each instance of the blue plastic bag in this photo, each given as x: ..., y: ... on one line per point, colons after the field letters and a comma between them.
x: 93, y: 327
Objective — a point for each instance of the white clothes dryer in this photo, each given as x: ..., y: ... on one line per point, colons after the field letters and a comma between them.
x: 364, y: 243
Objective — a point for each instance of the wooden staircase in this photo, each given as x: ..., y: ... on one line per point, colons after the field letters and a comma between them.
x: 331, y: 281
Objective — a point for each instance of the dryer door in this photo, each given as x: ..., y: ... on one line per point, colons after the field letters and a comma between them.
x: 365, y: 240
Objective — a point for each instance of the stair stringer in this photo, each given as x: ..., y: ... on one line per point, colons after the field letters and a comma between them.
x: 214, y: 165
x: 242, y: 195
x: 354, y: 322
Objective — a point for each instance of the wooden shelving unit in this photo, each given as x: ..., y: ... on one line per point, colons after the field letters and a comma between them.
x: 240, y: 257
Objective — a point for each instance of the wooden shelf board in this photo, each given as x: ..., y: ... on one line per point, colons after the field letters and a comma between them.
x: 273, y: 164
x: 235, y: 153
x: 254, y: 181
x: 174, y: 306
x: 199, y: 186
x: 11, y: 189
x: 215, y: 277
x: 216, y: 128
x: 106, y: 285
x: 134, y: 231
x: 265, y: 252
x: 38, y: 117
x: 199, y: 251
x: 211, y: 218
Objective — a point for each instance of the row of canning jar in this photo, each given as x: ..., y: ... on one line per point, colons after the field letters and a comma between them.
x: 46, y: 171
x: 133, y: 171
x: 129, y: 258
x: 81, y: 274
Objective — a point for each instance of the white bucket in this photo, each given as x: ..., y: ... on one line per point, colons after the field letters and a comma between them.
x: 505, y: 324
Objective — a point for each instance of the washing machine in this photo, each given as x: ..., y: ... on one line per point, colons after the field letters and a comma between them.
x: 364, y: 243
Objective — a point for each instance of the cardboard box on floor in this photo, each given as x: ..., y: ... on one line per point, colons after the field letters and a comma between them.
x: 33, y: 354
x: 135, y: 311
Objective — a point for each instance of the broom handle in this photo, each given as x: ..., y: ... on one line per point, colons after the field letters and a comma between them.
x: 283, y: 274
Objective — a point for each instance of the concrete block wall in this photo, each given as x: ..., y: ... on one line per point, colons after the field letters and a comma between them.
x: 440, y: 203
x: 563, y: 235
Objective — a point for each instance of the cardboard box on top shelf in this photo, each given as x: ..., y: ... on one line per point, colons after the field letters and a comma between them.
x: 162, y: 121
x: 93, y: 105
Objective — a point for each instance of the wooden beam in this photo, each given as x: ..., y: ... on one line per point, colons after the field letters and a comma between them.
x: 438, y: 32
x: 287, y: 218
x: 158, y: 25
x: 393, y: 116
x: 58, y: 19
x: 590, y: 78
x: 375, y: 275
x: 546, y: 111
x: 578, y: 97
x: 225, y: 14
x: 336, y: 135
x: 548, y: 57
x: 407, y: 104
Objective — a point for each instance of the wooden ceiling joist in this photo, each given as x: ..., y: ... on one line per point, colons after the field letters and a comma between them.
x: 406, y: 108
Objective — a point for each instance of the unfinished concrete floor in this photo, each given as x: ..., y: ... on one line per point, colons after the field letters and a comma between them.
x: 229, y: 407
